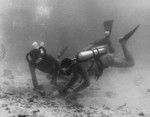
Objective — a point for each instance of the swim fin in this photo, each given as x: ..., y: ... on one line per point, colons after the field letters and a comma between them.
x: 108, y: 26
x: 128, y: 35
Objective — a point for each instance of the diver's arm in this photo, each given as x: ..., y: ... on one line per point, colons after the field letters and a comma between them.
x: 32, y: 70
x: 85, y: 82
x: 70, y: 84
x: 29, y: 60
x: 110, y: 47
x: 33, y: 76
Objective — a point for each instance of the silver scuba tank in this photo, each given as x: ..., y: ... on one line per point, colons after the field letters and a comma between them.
x: 88, y: 54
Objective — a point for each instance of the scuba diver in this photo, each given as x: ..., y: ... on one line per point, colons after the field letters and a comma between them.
x: 79, y: 66
x: 38, y: 58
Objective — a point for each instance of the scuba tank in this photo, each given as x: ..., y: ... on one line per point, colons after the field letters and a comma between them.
x: 94, y: 52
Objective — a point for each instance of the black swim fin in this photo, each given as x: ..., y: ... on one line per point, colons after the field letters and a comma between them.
x: 108, y: 26
x: 128, y: 35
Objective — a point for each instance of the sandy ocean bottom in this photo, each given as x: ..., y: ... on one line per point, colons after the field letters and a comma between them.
x: 118, y: 93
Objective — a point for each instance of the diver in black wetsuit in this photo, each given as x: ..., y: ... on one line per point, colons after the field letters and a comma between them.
x: 39, y: 59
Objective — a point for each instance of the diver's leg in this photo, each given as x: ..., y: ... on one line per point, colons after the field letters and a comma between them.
x: 110, y: 47
x: 33, y: 75
x: 128, y: 61
x: 127, y: 54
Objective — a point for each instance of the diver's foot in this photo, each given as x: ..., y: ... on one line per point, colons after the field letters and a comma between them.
x: 128, y: 35
x: 122, y: 41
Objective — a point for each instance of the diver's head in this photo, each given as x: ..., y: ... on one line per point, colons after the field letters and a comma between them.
x: 35, y: 45
x: 66, y: 65
x: 106, y: 33
x: 34, y: 54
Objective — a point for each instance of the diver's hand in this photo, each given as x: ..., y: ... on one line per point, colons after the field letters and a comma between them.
x: 122, y: 41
